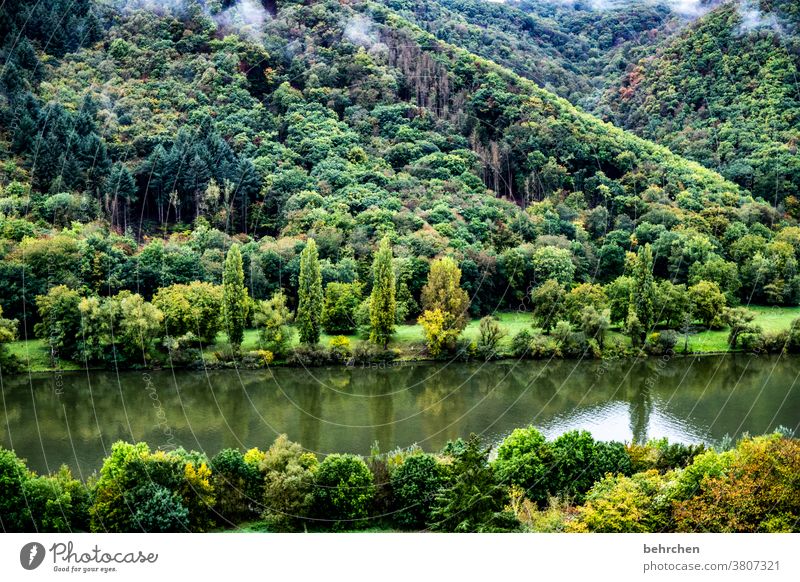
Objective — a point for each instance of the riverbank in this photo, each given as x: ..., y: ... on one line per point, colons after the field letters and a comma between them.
x: 409, y: 346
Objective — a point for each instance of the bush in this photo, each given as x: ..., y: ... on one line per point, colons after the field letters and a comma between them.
x: 758, y: 493
x: 439, y: 335
x: 192, y: 308
x: 555, y: 518
x: 159, y: 510
x: 14, y: 512
x: 521, y: 344
x: 369, y: 353
x: 578, y: 461
x: 570, y: 343
x: 543, y: 347
x: 58, y: 503
x: 272, y: 318
x: 238, y: 486
x: 339, y: 348
x: 126, y: 483
x: 288, y: 484
x: 523, y: 459
x: 473, y: 500
x: 661, y: 343
x: 491, y: 333
x: 620, y: 504
x: 343, y: 491
x: 415, y: 485
x: 662, y: 455
x: 309, y: 356
x: 182, y: 349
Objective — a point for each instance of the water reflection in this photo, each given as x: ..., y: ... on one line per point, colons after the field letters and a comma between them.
x: 336, y: 410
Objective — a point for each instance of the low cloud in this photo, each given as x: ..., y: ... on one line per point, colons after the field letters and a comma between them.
x: 246, y: 18
x: 685, y: 8
x: 360, y: 31
x: 754, y: 19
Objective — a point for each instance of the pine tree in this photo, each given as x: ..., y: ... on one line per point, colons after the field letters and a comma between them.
x: 310, y: 304
x: 643, y: 296
x: 234, y: 298
x: 383, y: 303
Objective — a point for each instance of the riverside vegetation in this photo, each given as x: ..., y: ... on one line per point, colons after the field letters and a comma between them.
x: 570, y: 484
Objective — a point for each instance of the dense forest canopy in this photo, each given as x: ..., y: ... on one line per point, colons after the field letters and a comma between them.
x: 144, y: 139
x: 725, y: 92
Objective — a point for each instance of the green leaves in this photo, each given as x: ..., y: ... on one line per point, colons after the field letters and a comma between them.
x: 310, y: 304
x: 235, y: 304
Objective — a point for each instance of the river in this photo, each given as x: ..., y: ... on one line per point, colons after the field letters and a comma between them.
x: 73, y: 418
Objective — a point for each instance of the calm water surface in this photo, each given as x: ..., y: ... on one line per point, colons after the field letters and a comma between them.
x: 74, y: 418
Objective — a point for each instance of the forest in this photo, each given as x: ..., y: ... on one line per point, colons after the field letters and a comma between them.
x: 142, y: 144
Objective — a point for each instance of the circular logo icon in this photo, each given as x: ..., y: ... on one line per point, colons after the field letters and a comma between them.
x: 31, y: 555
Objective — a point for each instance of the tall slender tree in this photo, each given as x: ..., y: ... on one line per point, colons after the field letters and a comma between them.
x: 382, y: 302
x: 310, y: 304
x: 642, y: 306
x: 234, y: 297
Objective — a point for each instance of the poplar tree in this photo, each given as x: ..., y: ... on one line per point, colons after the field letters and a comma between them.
x: 383, y: 303
x: 310, y: 304
x: 234, y: 297
x: 642, y: 305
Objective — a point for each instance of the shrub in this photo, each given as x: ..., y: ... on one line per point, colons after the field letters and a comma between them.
x: 238, y: 486
x: 343, y: 491
x: 555, y: 518
x: 192, y: 308
x: 521, y: 344
x: 578, y: 461
x: 126, y: 482
x: 272, y: 318
x: 662, y: 455
x: 473, y: 500
x: 758, y: 493
x: 569, y: 343
x: 437, y: 335
x: 288, y: 484
x: 491, y: 333
x: 543, y: 347
x: 620, y: 504
x: 661, y: 343
x: 339, y: 348
x: 158, y: 510
x: 60, y: 321
x: 58, y: 503
x: 415, y: 485
x: 523, y: 459
x: 182, y: 349
x: 309, y: 356
x: 14, y: 512
x: 9, y: 363
x: 548, y: 304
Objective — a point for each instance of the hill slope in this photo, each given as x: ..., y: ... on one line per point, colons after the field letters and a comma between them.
x: 725, y: 92
x: 133, y: 159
